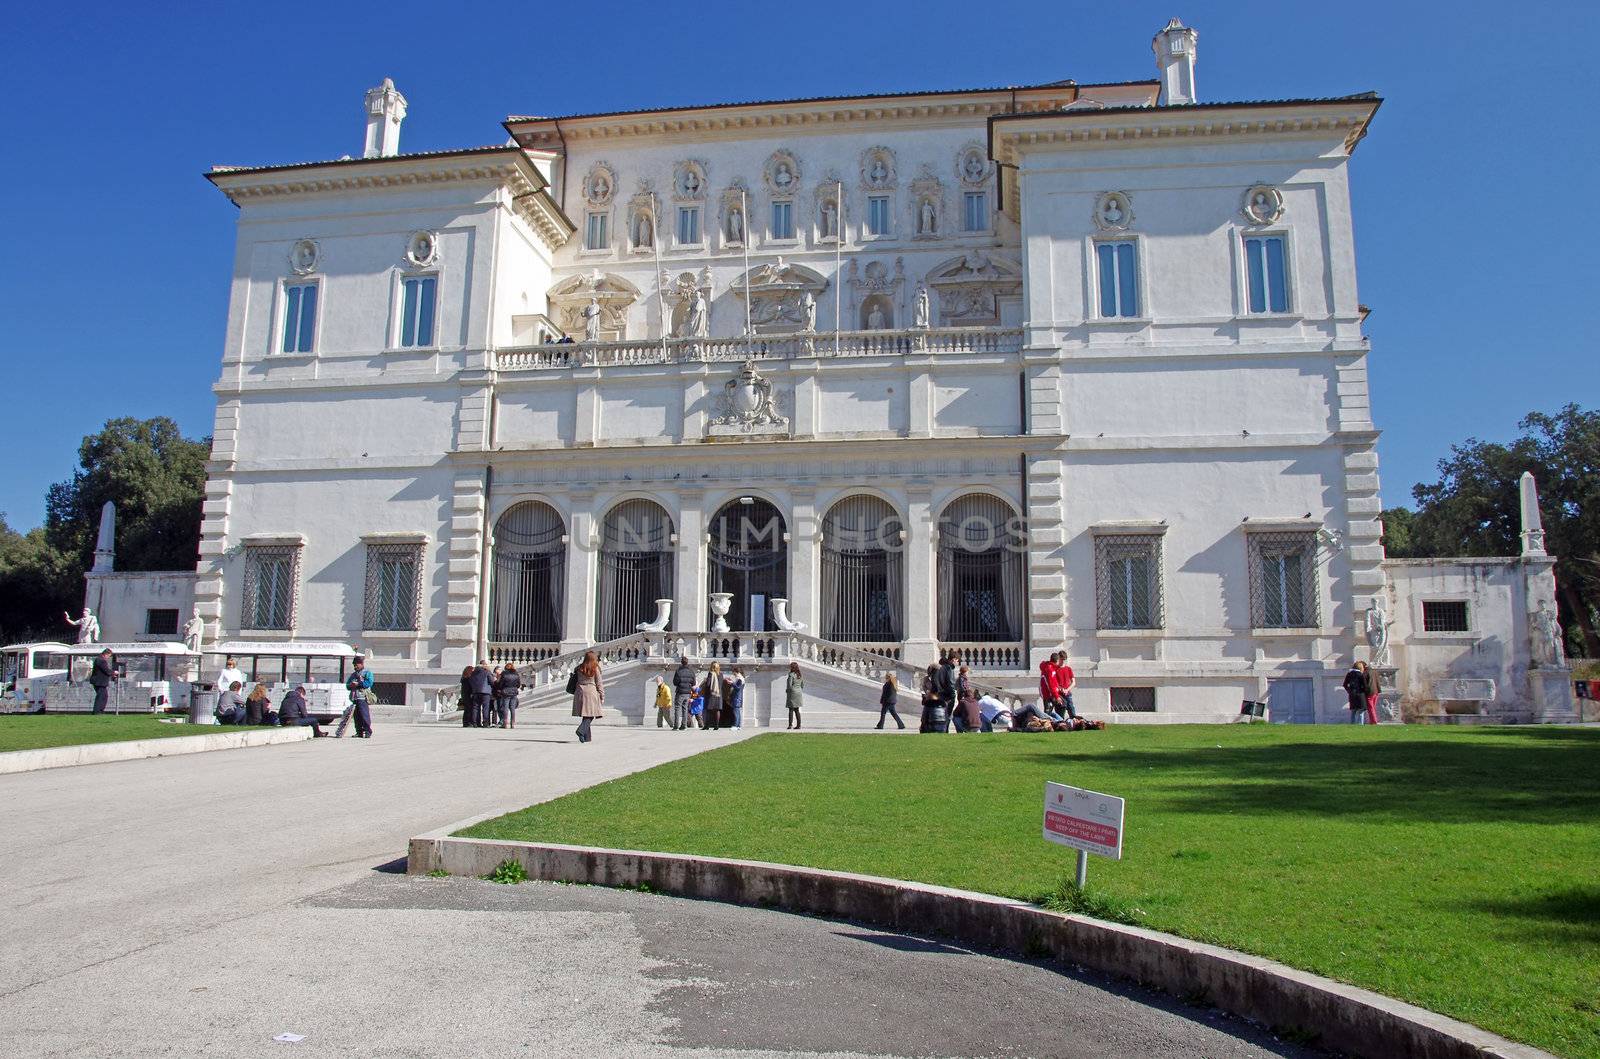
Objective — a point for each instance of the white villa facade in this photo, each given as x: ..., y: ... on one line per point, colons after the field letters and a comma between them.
x: 1013, y: 370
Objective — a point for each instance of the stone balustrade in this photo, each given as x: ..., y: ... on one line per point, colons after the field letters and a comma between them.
x: 989, y: 655
x: 939, y: 341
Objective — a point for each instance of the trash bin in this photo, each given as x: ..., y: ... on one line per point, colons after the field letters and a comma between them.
x: 202, y: 707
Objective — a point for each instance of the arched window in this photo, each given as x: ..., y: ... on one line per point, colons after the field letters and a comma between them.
x: 862, y: 580
x: 749, y: 559
x: 980, y: 571
x: 635, y: 567
x: 529, y: 585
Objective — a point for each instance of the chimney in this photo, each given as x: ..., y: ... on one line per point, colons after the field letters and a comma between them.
x: 386, y: 109
x: 1174, y: 47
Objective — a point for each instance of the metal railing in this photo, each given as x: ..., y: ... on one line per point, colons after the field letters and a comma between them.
x: 940, y: 340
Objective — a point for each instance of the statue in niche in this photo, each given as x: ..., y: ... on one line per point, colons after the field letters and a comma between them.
x: 927, y: 218
x: 1548, y: 638
x: 644, y: 229
x: 920, y: 310
x: 783, y: 176
x: 974, y: 167
x: 876, y: 320
x: 591, y: 320
x: 303, y: 258
x: 194, y: 632
x: 736, y: 225
x: 1377, y: 629
x: 1113, y: 212
x: 808, y: 311
x: 695, y: 325
x: 830, y: 219
x: 690, y: 184
x: 879, y: 173
x: 600, y: 188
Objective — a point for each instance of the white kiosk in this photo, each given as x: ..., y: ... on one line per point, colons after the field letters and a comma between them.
x: 25, y: 669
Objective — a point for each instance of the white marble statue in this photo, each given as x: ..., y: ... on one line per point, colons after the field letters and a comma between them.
x: 876, y: 320
x: 830, y: 219
x: 644, y: 230
x: 736, y: 225
x: 695, y: 324
x: 88, y: 626
x: 591, y: 321
x: 1111, y: 212
x: 808, y: 311
x: 1377, y: 629
x: 927, y: 219
x: 783, y: 176
x: 194, y: 632
x: 1549, y: 641
x: 691, y: 183
x: 920, y: 309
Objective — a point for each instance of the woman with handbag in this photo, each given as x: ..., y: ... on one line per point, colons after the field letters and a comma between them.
x: 588, y: 694
x: 711, y: 691
x: 793, y: 692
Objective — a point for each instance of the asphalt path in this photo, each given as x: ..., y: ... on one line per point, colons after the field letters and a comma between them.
x: 202, y: 905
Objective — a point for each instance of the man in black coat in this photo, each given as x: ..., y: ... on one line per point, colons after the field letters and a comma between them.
x: 293, y: 712
x: 683, y: 684
x: 949, y: 667
x: 482, y: 684
x: 101, y: 676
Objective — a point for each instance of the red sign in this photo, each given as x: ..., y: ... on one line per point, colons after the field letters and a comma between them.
x: 1083, y: 819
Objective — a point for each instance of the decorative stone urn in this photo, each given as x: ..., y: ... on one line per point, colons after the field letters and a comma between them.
x: 721, y: 602
x: 663, y: 615
x: 780, y: 615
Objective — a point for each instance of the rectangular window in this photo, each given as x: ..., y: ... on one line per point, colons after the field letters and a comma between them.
x: 878, y: 215
x: 1283, y: 587
x: 270, y: 575
x: 1444, y: 615
x: 1128, y: 580
x: 688, y: 225
x: 1269, y: 282
x: 975, y: 216
x: 299, y: 317
x: 596, y: 233
x: 392, y: 587
x: 783, y: 220
x: 416, y: 310
x: 1119, y: 279
x: 161, y: 622
x: 1133, y: 700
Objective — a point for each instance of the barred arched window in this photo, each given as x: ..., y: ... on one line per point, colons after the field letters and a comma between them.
x: 635, y: 567
x: 863, y: 586
x: 748, y: 559
x: 529, y: 585
x: 981, y: 567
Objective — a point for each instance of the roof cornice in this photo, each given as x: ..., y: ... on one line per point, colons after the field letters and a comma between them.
x: 1011, y: 136
x: 800, y: 115
x: 507, y: 166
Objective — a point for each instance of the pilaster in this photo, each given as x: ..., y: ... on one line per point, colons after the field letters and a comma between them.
x: 921, y: 631
x: 690, y: 569
x: 1047, y: 580
x: 461, y: 630
x: 804, y: 535
x: 578, y: 623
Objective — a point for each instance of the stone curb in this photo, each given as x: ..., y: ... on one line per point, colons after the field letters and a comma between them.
x: 1341, y: 1017
x: 54, y: 757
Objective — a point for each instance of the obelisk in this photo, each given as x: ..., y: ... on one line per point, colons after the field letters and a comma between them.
x: 105, y: 545
x: 1532, y: 524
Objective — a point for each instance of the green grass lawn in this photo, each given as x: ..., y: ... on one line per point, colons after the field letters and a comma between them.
x: 35, y: 731
x: 1458, y: 869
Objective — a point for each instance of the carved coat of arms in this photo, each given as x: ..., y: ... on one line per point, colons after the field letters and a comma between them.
x: 746, y: 403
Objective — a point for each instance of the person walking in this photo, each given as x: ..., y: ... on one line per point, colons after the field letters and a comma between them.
x: 683, y: 684
x: 886, y: 698
x: 589, y: 696
x: 506, y: 689
x: 663, y: 703
x: 102, y: 674
x: 711, y: 690
x: 793, y: 693
x: 359, y: 685
x: 1372, y: 689
x: 482, y: 693
x: 466, y: 696
x: 735, y: 701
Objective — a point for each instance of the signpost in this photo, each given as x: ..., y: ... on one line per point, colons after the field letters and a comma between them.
x: 1087, y: 821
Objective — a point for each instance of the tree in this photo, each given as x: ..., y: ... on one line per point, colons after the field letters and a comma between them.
x: 154, y: 475
x: 37, y: 583
x: 1475, y: 507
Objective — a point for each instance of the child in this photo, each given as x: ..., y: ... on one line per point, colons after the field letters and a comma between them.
x: 697, y: 709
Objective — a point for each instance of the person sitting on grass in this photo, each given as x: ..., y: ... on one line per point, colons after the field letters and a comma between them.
x: 993, y: 714
x: 258, y: 707
x: 230, y: 705
x: 292, y: 712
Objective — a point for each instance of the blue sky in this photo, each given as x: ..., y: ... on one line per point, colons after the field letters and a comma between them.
x: 1474, y: 230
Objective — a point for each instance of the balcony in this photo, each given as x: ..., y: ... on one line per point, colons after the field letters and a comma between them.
x: 939, y: 341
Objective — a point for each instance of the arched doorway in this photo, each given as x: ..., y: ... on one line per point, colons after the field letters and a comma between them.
x: 980, y: 571
x: 749, y: 558
x: 863, y: 583
x: 635, y: 567
x: 528, y: 592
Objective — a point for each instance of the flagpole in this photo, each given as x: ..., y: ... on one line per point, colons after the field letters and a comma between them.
x: 838, y: 262
x: 661, y: 294
x: 744, y: 211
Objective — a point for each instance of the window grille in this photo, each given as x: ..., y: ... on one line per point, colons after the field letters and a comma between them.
x: 161, y: 622
x: 862, y: 580
x: 271, y: 576
x: 980, y: 571
x: 1133, y: 700
x: 635, y: 567
x: 528, y: 590
x: 389, y: 692
x: 394, y: 587
x: 1128, y: 581
x: 1444, y: 615
x: 748, y: 558
x: 1283, y: 580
